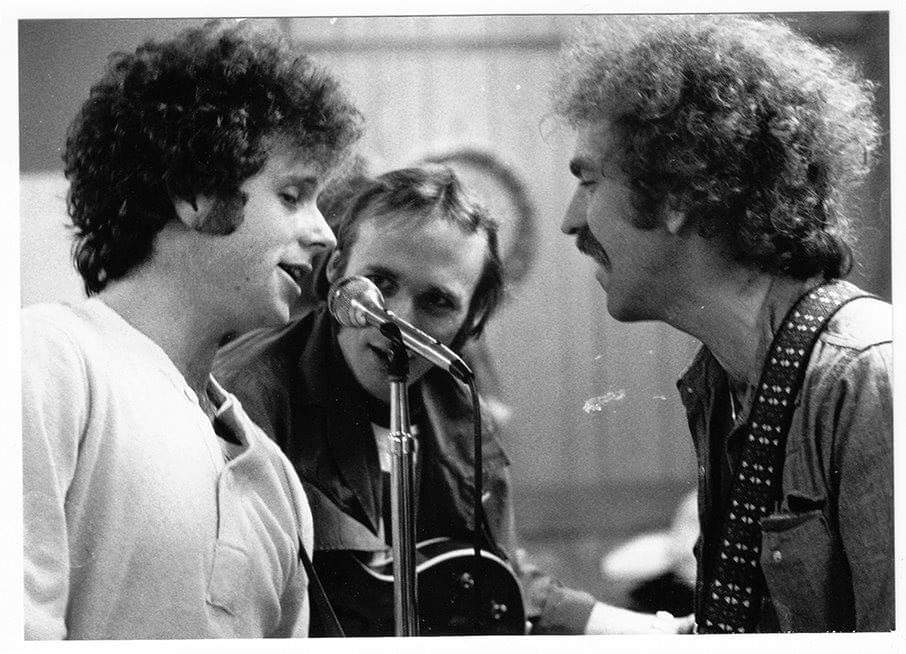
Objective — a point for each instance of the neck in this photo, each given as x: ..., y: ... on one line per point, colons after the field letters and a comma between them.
x: 737, y: 315
x: 722, y: 307
x: 154, y: 306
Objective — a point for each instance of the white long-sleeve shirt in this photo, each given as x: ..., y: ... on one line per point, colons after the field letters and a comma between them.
x: 136, y: 523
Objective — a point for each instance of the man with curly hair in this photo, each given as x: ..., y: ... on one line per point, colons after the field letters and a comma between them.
x: 713, y: 158
x: 154, y: 507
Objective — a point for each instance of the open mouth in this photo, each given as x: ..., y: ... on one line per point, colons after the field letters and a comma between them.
x: 297, y: 272
x: 385, y: 356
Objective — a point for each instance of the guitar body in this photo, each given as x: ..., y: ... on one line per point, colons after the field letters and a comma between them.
x: 362, y: 595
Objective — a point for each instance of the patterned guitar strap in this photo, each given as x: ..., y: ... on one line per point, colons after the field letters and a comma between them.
x: 734, y: 594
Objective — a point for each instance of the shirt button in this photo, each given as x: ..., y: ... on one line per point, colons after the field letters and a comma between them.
x: 777, y: 556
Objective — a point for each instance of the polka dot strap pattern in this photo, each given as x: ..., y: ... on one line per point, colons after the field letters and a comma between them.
x: 732, y: 603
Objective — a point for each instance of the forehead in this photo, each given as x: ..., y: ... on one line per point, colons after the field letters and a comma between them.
x: 284, y: 158
x: 597, y: 144
x: 421, y: 249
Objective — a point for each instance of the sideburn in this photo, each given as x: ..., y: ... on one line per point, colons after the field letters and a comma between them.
x: 225, y: 216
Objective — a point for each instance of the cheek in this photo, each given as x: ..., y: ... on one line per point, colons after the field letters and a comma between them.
x: 351, y: 339
x: 445, y: 329
x: 225, y: 216
x: 596, y: 217
x: 246, y: 266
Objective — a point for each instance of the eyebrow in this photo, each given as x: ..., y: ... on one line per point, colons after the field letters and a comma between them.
x: 376, y: 268
x: 578, y: 164
x: 307, y: 185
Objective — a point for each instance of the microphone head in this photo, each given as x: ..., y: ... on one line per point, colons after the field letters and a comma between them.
x: 348, y: 296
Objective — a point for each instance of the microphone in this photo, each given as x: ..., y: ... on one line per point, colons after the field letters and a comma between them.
x: 356, y: 302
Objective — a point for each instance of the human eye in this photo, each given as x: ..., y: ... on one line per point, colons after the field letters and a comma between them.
x: 385, y: 284
x: 589, y: 177
x: 584, y: 177
x: 290, y: 195
x: 587, y: 171
x: 437, y: 302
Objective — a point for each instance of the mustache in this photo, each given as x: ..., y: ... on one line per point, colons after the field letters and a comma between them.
x: 589, y: 245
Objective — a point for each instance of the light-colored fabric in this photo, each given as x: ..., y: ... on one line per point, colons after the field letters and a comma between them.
x: 135, y: 525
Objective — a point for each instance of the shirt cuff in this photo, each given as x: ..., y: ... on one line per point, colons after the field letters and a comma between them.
x: 566, y: 611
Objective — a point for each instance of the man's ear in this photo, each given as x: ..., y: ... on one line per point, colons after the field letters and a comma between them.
x: 674, y: 221
x: 333, y: 269
x: 194, y: 211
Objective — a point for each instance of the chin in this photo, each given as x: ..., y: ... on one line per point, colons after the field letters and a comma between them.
x: 622, y: 312
x: 275, y: 315
x: 374, y: 385
x: 377, y: 383
x: 280, y: 317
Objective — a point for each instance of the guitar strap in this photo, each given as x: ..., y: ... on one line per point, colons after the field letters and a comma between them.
x: 319, y: 601
x: 734, y: 593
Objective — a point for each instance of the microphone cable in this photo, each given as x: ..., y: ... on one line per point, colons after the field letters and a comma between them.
x: 478, y: 508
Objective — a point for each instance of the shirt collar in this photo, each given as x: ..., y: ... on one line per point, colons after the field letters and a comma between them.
x: 122, y: 335
x: 705, y: 369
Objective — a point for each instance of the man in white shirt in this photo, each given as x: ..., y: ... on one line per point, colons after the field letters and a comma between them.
x: 154, y: 508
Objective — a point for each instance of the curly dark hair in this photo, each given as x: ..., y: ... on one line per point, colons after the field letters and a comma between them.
x: 756, y: 133
x: 432, y: 191
x: 192, y: 115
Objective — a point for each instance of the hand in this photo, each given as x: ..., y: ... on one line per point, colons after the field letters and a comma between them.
x: 606, y: 619
x: 671, y: 625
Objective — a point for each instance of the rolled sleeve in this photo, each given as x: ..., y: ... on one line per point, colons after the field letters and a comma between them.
x: 560, y: 610
x: 550, y: 606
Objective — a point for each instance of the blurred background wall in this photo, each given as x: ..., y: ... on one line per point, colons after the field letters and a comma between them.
x: 598, y: 440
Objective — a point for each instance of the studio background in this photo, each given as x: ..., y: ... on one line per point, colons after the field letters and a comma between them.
x: 598, y: 441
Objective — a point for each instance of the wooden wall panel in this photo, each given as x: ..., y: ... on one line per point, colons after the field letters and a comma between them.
x: 423, y: 83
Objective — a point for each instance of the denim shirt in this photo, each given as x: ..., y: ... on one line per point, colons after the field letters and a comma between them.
x: 827, y: 550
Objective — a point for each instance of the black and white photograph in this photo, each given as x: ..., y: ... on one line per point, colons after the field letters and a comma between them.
x: 573, y: 326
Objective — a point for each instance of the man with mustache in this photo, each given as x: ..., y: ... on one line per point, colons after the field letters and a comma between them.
x: 322, y: 392
x: 154, y: 508
x: 712, y: 159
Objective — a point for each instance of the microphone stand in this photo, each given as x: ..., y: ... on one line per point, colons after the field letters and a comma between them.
x: 402, y: 488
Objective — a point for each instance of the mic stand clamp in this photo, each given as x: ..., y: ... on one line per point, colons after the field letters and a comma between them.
x: 402, y: 487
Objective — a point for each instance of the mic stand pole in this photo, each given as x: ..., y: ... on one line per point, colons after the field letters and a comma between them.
x: 402, y: 488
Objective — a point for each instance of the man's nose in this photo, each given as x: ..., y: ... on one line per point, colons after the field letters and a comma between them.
x: 313, y: 232
x: 402, y: 306
x: 574, y: 218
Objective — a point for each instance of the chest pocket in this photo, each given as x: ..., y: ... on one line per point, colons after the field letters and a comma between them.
x: 230, y: 577
x: 804, y: 571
